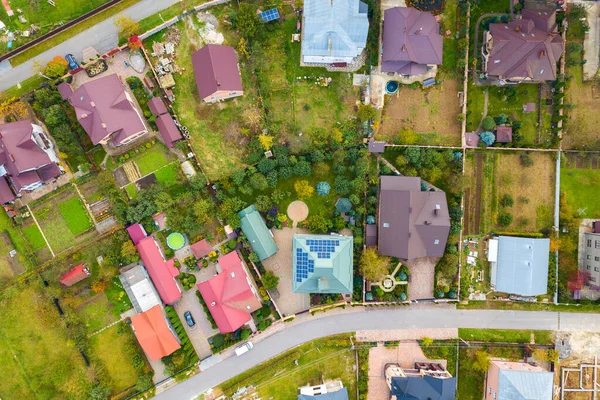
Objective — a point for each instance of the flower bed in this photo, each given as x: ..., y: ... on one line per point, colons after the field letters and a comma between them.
x: 96, y: 69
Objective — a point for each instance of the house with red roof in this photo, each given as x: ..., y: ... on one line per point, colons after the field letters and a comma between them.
x: 201, y: 249
x: 154, y: 333
x: 75, y: 275
x: 217, y: 73
x: 161, y: 271
x: 136, y: 232
x: 27, y: 159
x: 230, y: 296
x: 105, y: 110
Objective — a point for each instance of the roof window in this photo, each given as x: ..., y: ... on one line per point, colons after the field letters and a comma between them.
x: 386, y: 225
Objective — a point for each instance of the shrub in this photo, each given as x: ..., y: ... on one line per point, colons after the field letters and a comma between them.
x: 264, y: 324
x: 507, y: 201
x: 488, y: 138
x: 488, y: 123
x: 270, y: 280
x: 505, y: 219
x: 323, y: 188
x: 245, y: 334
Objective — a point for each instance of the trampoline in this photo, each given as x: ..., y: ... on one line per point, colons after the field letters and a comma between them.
x: 391, y: 87
x: 175, y: 241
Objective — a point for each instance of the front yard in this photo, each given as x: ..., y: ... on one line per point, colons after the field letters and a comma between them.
x: 580, y: 180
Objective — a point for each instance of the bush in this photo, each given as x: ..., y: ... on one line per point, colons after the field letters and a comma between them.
x: 264, y: 324
x: 488, y: 123
x: 488, y: 138
x: 323, y: 188
x: 507, y: 201
x: 245, y: 334
x: 270, y: 280
x: 505, y: 219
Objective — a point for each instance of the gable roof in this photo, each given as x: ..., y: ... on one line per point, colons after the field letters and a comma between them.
x: 19, y: 150
x: 334, y: 28
x: 258, y: 234
x: 215, y: 69
x: 136, y: 232
x: 161, y: 272
x: 6, y: 194
x: 157, y: 106
x: 522, y: 382
x: 411, y: 40
x: 153, y: 333
x: 229, y: 296
x: 423, y: 388
x: 341, y: 394
x: 102, y: 108
x: 77, y: 274
x: 522, y: 266
x: 526, y: 48
x: 167, y: 129
x: 139, y: 288
x: 322, y: 264
x: 201, y: 249
x: 412, y: 223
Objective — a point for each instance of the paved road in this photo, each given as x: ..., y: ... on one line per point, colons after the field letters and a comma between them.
x: 102, y: 36
x: 299, y: 333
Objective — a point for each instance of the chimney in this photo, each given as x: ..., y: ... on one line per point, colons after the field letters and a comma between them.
x: 418, y: 31
x: 92, y: 104
x: 427, y: 222
x: 404, y: 47
x: 104, y: 125
x: 436, y: 210
x: 84, y: 116
x: 233, y: 274
x: 542, y: 53
x: 518, y: 28
x: 213, y: 303
x: 218, y: 83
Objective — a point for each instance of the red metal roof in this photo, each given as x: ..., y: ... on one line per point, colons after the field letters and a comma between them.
x: 228, y: 295
x: 161, y: 272
x: 216, y: 68
x: 75, y: 275
x: 157, y: 106
x: 136, y: 233
x: 168, y: 130
x: 201, y: 249
x: 6, y: 195
x: 153, y: 333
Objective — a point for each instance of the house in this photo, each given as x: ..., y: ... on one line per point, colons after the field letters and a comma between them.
x: 105, y: 110
x: 521, y: 267
x: 508, y: 380
x: 503, y: 134
x: 217, y: 73
x: 139, y: 288
x: 412, y: 223
x: 334, y: 31
x: 322, y: 264
x: 427, y: 380
x: 329, y: 390
x: 201, y: 249
x: 164, y: 122
x: 154, y: 333
x: 27, y: 159
x: 257, y: 233
x: 524, y: 50
x: 590, y: 258
x: 75, y: 275
x: 412, y: 43
x: 230, y: 296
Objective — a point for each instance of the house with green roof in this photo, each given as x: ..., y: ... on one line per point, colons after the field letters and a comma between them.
x: 259, y: 236
x: 322, y: 264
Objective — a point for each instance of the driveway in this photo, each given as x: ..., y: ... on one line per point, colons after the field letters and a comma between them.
x: 422, y: 277
x: 202, y: 331
x: 591, y: 41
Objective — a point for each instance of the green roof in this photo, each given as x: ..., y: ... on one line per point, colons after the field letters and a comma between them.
x: 258, y: 234
x: 322, y: 264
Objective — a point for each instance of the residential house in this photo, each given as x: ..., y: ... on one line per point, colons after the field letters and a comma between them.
x: 75, y: 275
x: 412, y: 43
x: 164, y: 122
x: 521, y: 265
x: 105, y: 110
x: 503, y: 134
x: 590, y: 259
x: 217, y: 73
x: 27, y: 159
x: 508, y: 380
x: 257, y: 233
x: 230, y: 296
x: 329, y: 390
x: 523, y: 50
x: 139, y: 288
x: 154, y: 333
x: 322, y: 264
x: 334, y: 31
x: 412, y: 223
x: 427, y: 380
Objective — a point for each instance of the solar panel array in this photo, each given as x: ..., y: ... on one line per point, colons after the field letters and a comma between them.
x: 269, y: 15
x: 304, y: 265
x: 323, y: 247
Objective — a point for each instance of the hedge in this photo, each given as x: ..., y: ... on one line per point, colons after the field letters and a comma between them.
x: 209, y: 316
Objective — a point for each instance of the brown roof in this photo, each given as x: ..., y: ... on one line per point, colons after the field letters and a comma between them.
x: 412, y: 223
x: 216, y: 68
x: 168, y: 130
x: 503, y: 134
x: 371, y: 235
x: 102, y: 108
x: 526, y: 48
x: 157, y: 106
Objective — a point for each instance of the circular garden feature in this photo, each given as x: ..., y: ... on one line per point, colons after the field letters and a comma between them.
x: 391, y: 87
x: 175, y: 241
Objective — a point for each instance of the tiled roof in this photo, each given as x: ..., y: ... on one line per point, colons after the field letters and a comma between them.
x: 153, y: 333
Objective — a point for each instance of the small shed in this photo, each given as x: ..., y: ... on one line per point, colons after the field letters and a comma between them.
x: 201, y: 249
x: 75, y: 275
x: 160, y: 219
x: 504, y: 134
x: 376, y: 147
x: 157, y: 106
x: 136, y: 232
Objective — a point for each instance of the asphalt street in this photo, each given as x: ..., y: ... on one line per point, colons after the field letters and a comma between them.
x: 296, y: 334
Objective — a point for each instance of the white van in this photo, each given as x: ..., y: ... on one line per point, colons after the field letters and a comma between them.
x: 243, y: 348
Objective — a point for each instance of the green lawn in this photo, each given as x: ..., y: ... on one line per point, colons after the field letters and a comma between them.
x: 75, y: 215
x: 117, y: 297
x: 582, y: 187
x: 506, y: 335
x: 98, y: 153
x: 28, y: 85
x: 442, y: 350
x: 168, y: 175
x: 97, y: 313
x: 34, y: 236
x: 131, y: 191
x: 151, y: 160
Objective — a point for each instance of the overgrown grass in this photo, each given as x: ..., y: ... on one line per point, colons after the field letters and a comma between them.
x: 118, y: 298
x: 28, y: 85
x: 97, y: 314
x: 34, y: 236
x: 75, y: 215
x: 506, y: 335
x: 508, y: 305
x: 442, y: 350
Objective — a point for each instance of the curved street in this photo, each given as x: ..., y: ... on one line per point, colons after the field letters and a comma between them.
x: 296, y: 333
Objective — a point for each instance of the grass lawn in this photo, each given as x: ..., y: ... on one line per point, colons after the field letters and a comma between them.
x: 442, y: 350
x: 75, y: 215
x: 117, y: 297
x: 37, y: 357
x: 96, y: 313
x: 98, y: 153
x: 151, y: 160
x: 168, y: 175
x: 131, y: 191
x: 34, y: 236
x: 582, y: 187
x: 506, y: 335
x: 323, y: 359
x: 28, y: 85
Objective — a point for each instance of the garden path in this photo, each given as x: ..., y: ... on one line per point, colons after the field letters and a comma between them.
x: 485, y: 110
x: 85, y: 203
x: 41, y: 231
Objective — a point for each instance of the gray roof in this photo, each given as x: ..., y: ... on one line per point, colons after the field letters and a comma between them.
x: 412, y: 223
x: 334, y: 29
x: 524, y: 385
x: 376, y: 147
x: 522, y: 265
x: 341, y: 394
x: 139, y: 288
x: 425, y: 388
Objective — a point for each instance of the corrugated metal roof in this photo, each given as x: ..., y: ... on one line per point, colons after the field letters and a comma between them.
x: 524, y: 385
x: 339, y: 395
x: 257, y: 233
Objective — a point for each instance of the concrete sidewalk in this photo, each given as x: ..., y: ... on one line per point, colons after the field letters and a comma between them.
x: 591, y: 42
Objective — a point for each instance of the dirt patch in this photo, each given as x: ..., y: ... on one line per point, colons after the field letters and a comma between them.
x: 146, y: 181
x: 120, y: 177
x: 584, y: 344
x: 13, y: 263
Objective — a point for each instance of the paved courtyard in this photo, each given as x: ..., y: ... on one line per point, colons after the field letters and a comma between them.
x: 281, y: 265
x: 422, y: 277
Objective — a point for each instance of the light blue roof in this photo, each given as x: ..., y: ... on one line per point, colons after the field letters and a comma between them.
x: 339, y: 395
x: 522, y: 265
x: 334, y: 28
x: 322, y: 264
x: 258, y: 234
x: 524, y: 385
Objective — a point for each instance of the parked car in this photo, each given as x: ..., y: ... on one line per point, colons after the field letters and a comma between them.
x: 72, y: 62
x: 243, y: 348
x: 189, y: 319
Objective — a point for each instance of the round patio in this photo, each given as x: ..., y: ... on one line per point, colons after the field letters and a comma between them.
x: 297, y: 211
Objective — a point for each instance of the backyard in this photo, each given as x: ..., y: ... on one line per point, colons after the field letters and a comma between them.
x: 580, y: 180
x: 11, y: 238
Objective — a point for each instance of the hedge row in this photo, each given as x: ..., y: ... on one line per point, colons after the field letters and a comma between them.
x: 186, y: 345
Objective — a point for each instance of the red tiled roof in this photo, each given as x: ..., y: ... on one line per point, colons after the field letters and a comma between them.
x: 228, y: 295
x: 161, y: 272
x: 6, y: 194
x: 75, y: 275
x: 216, y: 68
x: 153, y: 333
x: 168, y: 130
x: 136, y: 232
x: 201, y: 249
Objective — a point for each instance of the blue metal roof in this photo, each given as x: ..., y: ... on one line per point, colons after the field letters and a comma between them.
x: 524, y: 385
x: 269, y: 15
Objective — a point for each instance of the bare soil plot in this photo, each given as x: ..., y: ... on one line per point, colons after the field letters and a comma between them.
x: 473, y: 177
x: 431, y: 113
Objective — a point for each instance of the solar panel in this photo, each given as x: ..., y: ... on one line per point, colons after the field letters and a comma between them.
x: 269, y: 15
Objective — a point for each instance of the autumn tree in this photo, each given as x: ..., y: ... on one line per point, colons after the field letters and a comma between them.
x: 126, y: 26
x: 304, y: 189
x: 266, y: 141
x: 56, y: 68
x: 128, y: 251
x: 14, y: 107
x: 373, y: 266
x: 246, y: 21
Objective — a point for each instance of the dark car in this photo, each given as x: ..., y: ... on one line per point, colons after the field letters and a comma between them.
x: 189, y: 319
x: 72, y: 62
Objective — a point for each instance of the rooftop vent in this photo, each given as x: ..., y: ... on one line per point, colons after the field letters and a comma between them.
x: 92, y: 104
x: 386, y: 225
x: 84, y: 116
x: 233, y: 274
x: 104, y: 125
x: 436, y: 241
x: 247, y: 307
x: 542, y: 71
x: 214, y: 303
x: 81, y: 98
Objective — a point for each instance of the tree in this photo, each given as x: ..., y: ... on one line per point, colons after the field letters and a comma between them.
x: 408, y: 136
x: 413, y: 155
x: 304, y: 189
x: 263, y: 203
x: 481, y: 361
x: 488, y: 123
x: 270, y: 280
x: 373, y: 266
x: 253, y: 257
x: 426, y: 341
x: 500, y: 119
x: 488, y: 138
x: 144, y: 383
x: 54, y: 115
x: 507, y: 200
x: 204, y: 210
x: 246, y: 21
x: 128, y: 251
x: 126, y: 26
x: 266, y: 165
x: 366, y: 112
x: 266, y: 141
x: 323, y: 188
x: 505, y: 219
x: 317, y: 224
x: 302, y: 168
x: 238, y: 177
x: 341, y: 185
x: 56, y: 68
x: 259, y: 182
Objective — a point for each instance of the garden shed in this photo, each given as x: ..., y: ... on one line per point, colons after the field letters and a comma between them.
x: 259, y: 236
